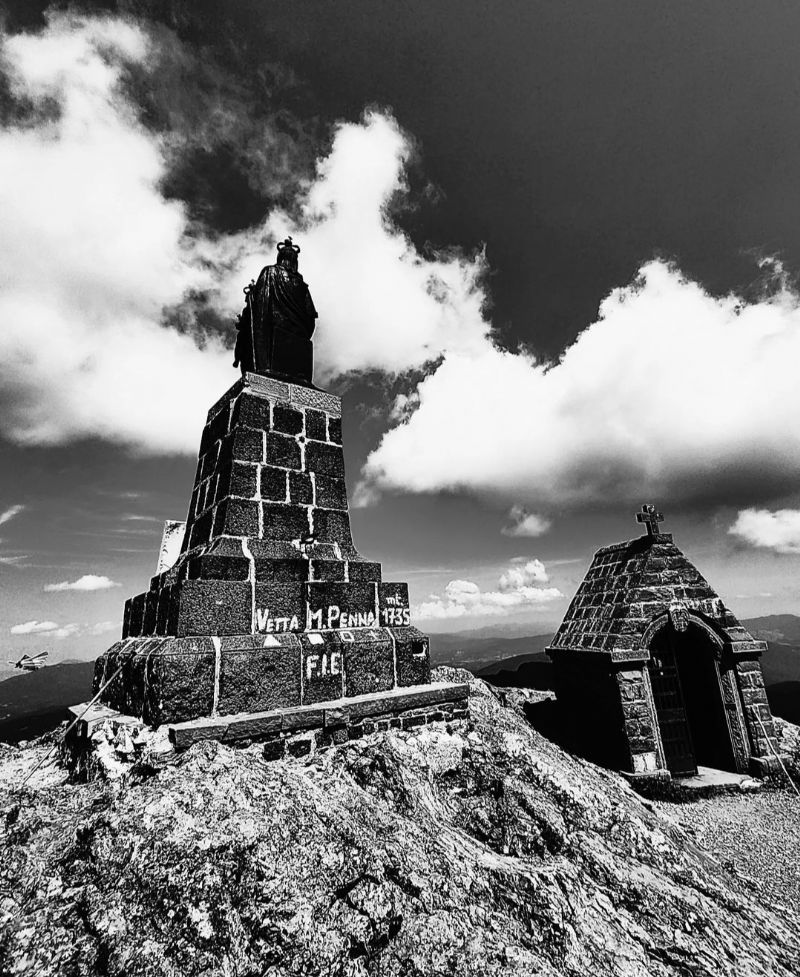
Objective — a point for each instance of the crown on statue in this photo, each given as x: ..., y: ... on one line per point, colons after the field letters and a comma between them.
x: 288, y: 247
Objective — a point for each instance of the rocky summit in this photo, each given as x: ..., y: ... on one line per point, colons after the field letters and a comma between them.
x: 477, y: 847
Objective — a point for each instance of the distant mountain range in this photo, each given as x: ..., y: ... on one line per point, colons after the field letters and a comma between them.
x: 35, y: 702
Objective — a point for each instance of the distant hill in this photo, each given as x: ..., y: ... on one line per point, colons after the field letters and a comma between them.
x: 34, y: 702
x: 478, y: 653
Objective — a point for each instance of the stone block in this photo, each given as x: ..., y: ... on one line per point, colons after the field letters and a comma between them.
x: 287, y: 420
x: 238, y: 478
x: 274, y: 749
x: 333, y: 526
x: 327, y: 570
x: 316, y: 426
x: 236, y: 517
x: 162, y: 614
x: 323, y: 668
x: 252, y: 411
x: 200, y: 531
x: 301, y: 490
x: 137, y: 615
x: 285, y: 521
x: 150, y: 613
x: 273, y: 484
x: 180, y: 682
x: 283, y: 451
x: 411, y: 656
x: 212, y: 567
x: 215, y: 430
x: 318, y: 399
x: 393, y: 607
x: 242, y: 444
x: 335, y: 429
x: 256, y: 680
x: 281, y: 570
x: 325, y: 459
x: 368, y: 656
x: 342, y: 605
x: 363, y: 570
x: 126, y: 618
x: 280, y: 607
x: 212, y: 607
x: 330, y: 493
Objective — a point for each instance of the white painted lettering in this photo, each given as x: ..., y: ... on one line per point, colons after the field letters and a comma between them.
x: 311, y: 665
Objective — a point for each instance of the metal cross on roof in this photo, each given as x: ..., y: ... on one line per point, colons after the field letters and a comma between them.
x: 650, y: 517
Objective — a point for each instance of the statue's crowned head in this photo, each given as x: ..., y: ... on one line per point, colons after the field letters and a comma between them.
x: 287, y: 254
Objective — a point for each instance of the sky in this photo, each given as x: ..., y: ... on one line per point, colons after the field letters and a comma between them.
x: 554, y: 249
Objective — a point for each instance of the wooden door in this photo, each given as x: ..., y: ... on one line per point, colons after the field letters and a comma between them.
x: 676, y: 736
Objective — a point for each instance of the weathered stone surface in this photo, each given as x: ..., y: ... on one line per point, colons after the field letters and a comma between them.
x: 335, y: 429
x: 342, y: 605
x: 325, y: 459
x: 238, y: 478
x: 237, y: 517
x: 274, y: 483
x: 280, y: 607
x: 283, y: 451
x: 285, y: 521
x: 212, y: 567
x: 412, y: 656
x: 301, y: 490
x: 242, y: 444
x: 287, y: 420
x: 368, y: 661
x: 257, y: 680
x: 363, y: 570
x: 330, y: 493
x: 328, y: 569
x: 316, y: 425
x: 322, y: 668
x: 252, y: 411
x: 272, y: 570
x: 393, y: 607
x: 212, y: 607
x: 332, y: 525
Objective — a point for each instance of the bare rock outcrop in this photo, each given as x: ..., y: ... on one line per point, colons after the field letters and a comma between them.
x: 479, y: 848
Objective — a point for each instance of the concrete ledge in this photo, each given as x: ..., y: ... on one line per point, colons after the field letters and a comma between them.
x: 326, y: 715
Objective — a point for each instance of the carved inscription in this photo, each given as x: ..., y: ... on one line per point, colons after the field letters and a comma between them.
x: 265, y: 622
x: 332, y: 617
x: 320, y: 666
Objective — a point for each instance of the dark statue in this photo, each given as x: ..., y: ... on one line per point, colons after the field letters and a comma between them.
x: 277, y: 322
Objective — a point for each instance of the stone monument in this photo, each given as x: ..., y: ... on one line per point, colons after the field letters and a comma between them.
x: 653, y: 673
x: 270, y: 624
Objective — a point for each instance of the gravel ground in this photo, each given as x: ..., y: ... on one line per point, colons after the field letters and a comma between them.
x: 754, y: 835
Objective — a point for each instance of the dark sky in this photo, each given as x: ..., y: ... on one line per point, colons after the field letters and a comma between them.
x: 573, y: 140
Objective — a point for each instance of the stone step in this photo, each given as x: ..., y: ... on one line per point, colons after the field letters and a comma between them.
x: 335, y: 713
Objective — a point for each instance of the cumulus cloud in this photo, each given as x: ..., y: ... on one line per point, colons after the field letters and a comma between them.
x: 383, y: 305
x: 778, y: 531
x: 8, y: 514
x: 524, y: 523
x: 95, y: 260
x: 516, y: 589
x: 671, y: 392
x: 50, y: 628
x: 89, y: 581
x: 91, y: 253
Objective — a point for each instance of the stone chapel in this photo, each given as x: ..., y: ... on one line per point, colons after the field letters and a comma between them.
x: 653, y: 674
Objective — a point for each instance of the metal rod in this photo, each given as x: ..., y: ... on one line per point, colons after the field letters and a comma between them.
x: 72, y: 725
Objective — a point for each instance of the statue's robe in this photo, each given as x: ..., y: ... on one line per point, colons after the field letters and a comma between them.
x: 276, y: 326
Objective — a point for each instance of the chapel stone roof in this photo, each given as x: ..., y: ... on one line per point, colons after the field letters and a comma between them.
x: 628, y: 586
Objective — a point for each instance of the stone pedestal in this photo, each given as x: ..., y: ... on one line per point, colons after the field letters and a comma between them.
x: 269, y: 604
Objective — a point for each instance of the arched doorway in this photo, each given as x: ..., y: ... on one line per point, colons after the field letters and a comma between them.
x: 687, y: 693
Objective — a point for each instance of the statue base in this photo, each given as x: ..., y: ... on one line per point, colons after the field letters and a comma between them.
x: 269, y: 604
